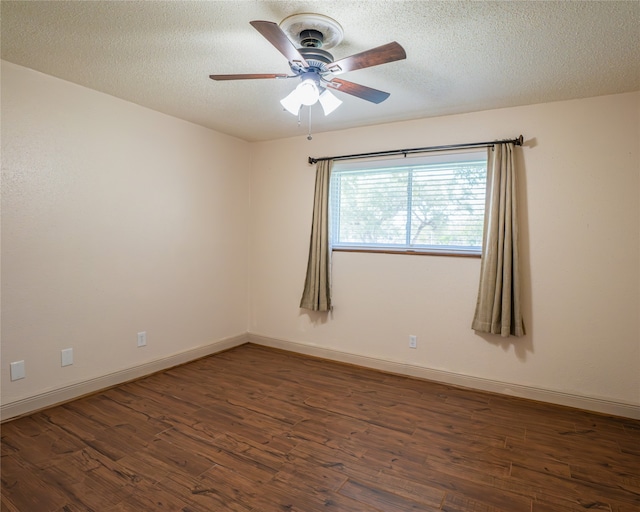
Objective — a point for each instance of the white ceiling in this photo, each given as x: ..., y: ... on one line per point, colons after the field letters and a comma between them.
x: 461, y: 56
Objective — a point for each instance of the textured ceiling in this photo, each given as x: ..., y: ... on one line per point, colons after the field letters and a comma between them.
x: 461, y: 56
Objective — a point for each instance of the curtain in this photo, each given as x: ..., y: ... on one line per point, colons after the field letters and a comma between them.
x: 498, y: 309
x: 317, y: 286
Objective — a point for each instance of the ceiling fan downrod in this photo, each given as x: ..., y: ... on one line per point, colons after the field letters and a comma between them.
x: 311, y: 38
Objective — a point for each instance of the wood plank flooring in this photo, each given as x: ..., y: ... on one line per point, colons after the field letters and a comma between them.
x: 256, y: 429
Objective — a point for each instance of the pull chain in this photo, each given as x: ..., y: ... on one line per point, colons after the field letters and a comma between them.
x: 309, y: 137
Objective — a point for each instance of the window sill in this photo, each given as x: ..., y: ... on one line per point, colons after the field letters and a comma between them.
x: 459, y: 254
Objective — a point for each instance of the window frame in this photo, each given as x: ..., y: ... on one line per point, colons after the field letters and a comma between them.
x: 402, y: 163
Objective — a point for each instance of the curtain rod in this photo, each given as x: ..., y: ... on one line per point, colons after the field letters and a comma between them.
x: 518, y: 142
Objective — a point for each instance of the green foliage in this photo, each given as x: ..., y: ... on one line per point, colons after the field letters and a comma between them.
x: 434, y: 205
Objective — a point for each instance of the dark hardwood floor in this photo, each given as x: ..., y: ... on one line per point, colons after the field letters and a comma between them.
x: 256, y: 429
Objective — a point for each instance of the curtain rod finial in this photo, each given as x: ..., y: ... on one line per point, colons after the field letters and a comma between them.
x: 520, y: 140
x: 312, y: 160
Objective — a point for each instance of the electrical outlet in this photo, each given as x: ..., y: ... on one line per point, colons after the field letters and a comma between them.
x: 17, y: 370
x: 142, y: 339
x: 67, y: 357
x: 413, y: 341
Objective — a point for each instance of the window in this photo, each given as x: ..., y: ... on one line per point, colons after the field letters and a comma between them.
x: 430, y: 203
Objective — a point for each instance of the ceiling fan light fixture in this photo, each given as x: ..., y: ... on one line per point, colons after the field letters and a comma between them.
x: 329, y: 102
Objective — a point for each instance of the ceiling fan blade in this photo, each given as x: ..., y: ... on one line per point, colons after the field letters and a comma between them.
x: 389, y: 52
x: 361, y: 91
x: 276, y: 36
x: 248, y: 76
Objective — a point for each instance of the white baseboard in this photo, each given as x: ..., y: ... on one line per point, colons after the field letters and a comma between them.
x: 76, y: 390
x: 627, y: 410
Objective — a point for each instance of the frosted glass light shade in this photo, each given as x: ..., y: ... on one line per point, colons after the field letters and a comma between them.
x: 308, y: 92
x: 329, y: 102
x: 292, y: 103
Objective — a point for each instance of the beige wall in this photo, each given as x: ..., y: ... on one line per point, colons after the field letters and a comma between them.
x: 580, y: 196
x: 115, y: 219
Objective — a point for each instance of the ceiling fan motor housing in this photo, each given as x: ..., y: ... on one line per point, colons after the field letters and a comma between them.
x: 317, y: 60
x: 316, y: 57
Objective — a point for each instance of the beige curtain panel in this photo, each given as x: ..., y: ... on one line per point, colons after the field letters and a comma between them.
x: 317, y: 286
x: 498, y: 309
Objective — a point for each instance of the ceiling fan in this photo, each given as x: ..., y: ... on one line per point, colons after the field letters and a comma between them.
x: 314, y: 66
